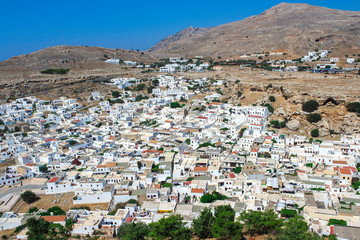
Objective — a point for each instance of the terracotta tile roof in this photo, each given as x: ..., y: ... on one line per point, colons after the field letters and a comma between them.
x: 345, y: 171
x: 128, y: 220
x: 200, y: 169
x: 353, y: 169
x: 49, y: 140
x: 60, y: 218
x: 110, y: 165
x: 54, y: 179
x: 254, y: 116
x: 232, y: 175
x: 340, y: 162
x: 197, y: 190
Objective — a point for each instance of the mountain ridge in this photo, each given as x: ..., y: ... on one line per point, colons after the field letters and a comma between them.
x: 298, y: 27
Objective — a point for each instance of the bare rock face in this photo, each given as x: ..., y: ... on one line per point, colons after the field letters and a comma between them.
x: 293, y: 125
x: 350, y: 124
x: 323, y: 132
x: 280, y: 112
x: 294, y: 27
x: 323, y: 124
x: 298, y: 99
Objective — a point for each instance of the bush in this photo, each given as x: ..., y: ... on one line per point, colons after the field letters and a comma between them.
x: 315, y: 133
x: 313, y: 118
x: 54, y: 211
x: 209, y: 198
x: 356, y: 185
x: 271, y: 108
x: 170, y: 228
x: 20, y: 228
x: 115, y: 94
x: 237, y: 170
x: 33, y: 209
x: 140, y: 87
x: 353, y: 107
x: 310, y: 106
x: 175, y: 105
x: 55, y: 71
x: 288, y: 213
x: 337, y: 222
x: 272, y: 99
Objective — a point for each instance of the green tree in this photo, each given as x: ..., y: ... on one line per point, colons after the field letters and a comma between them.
x: 272, y: 99
x: 155, y: 82
x: 296, y: 229
x: 237, y: 170
x: 271, y: 108
x: 310, y: 106
x: 225, y: 226
x: 174, y: 105
x: 353, y: 107
x: 170, y: 228
x: 54, y: 211
x: 260, y: 222
x: 202, y: 226
x: 37, y: 229
x: 313, y: 117
x: 28, y: 196
x: 69, y: 223
x: 209, y: 198
x: 315, y: 133
x: 288, y: 213
x: 149, y: 89
x: 33, y: 209
x: 115, y: 94
x: 44, y: 168
x: 133, y: 231
x: 140, y: 87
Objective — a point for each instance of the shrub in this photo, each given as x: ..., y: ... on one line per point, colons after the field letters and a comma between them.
x: 237, y: 170
x: 174, y: 105
x: 140, y: 87
x: 310, y: 106
x: 337, y: 222
x: 315, y: 133
x: 314, y: 117
x: 209, y: 198
x: 55, y: 71
x: 353, y: 107
x: 115, y: 94
x: 271, y: 108
x: 33, y: 209
x: 272, y: 99
x: 288, y: 213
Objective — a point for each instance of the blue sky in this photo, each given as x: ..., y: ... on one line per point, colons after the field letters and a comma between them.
x: 27, y: 26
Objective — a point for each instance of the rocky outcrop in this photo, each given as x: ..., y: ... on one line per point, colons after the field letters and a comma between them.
x: 293, y: 125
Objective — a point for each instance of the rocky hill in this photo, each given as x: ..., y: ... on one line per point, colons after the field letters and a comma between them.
x: 67, y: 56
x: 297, y: 28
x: 21, y: 75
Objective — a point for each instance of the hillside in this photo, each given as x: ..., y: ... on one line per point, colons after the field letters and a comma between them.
x: 21, y: 74
x: 297, y: 28
x: 67, y: 56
